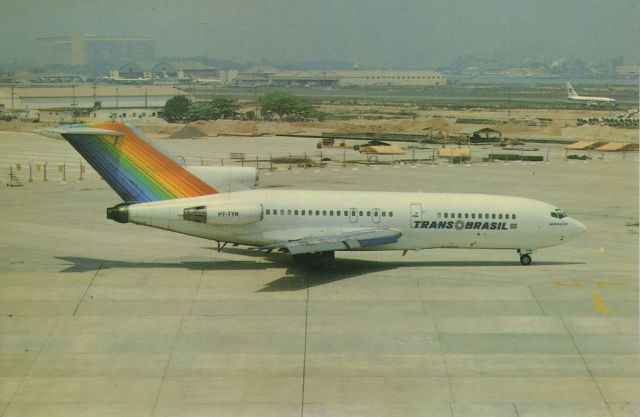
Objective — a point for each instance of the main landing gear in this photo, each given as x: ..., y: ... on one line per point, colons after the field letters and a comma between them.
x: 525, y: 256
x: 315, y: 260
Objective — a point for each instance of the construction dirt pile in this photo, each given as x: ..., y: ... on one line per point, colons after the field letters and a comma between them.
x: 188, y: 132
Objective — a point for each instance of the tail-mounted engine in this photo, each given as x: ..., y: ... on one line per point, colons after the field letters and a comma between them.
x: 224, y: 214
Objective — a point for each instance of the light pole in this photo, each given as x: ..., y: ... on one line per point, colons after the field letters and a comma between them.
x: 12, y: 88
x: 73, y: 104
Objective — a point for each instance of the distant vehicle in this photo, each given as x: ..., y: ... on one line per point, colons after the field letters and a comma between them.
x: 589, y: 101
x: 310, y: 225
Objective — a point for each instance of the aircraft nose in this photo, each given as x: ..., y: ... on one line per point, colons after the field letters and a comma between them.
x: 577, y: 228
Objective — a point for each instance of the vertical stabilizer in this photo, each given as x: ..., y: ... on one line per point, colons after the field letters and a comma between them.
x: 136, y: 169
x: 571, y: 93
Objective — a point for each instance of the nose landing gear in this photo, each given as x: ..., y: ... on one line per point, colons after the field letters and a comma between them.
x: 525, y: 257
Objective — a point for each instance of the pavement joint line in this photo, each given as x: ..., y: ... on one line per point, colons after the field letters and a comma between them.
x: 26, y: 375
x: 304, y: 357
x: 533, y: 294
x: 195, y: 295
x: 166, y: 366
x: 604, y: 400
x: 442, y: 355
x: 87, y: 289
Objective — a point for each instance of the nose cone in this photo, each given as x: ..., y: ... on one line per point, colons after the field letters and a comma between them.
x: 576, y: 228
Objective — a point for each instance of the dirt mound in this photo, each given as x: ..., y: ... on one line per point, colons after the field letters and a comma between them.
x: 437, y: 123
x: 188, y: 132
x: 607, y: 133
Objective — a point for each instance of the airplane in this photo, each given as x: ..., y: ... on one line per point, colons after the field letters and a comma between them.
x: 574, y: 96
x: 310, y: 225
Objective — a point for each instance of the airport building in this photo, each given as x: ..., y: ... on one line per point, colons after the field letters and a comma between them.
x: 168, y: 69
x: 99, y: 114
x: 360, y: 78
x: 94, y: 49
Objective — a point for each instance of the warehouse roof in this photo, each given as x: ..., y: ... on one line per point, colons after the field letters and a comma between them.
x: 470, y: 130
x: 383, y: 150
x: 584, y: 145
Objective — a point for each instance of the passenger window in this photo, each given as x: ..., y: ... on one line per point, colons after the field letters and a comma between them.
x: 317, y: 212
x: 384, y: 214
x: 289, y: 212
x: 282, y: 212
x: 446, y: 215
x: 353, y: 213
x: 513, y: 216
x: 302, y: 213
x: 368, y: 214
x: 486, y: 215
x: 346, y: 213
x: 500, y: 216
x: 466, y: 215
x: 473, y: 215
x: 268, y: 212
x: 275, y: 212
x: 439, y: 215
x: 337, y: 212
x: 391, y: 214
x: 554, y: 214
x: 295, y: 212
x: 331, y: 213
x: 360, y: 213
x: 324, y: 212
x: 459, y: 215
x: 453, y: 215
x: 493, y: 215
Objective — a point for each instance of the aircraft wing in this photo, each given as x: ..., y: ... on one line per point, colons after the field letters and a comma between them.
x: 344, y: 241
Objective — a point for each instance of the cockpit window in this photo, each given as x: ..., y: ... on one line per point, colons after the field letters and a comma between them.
x: 558, y: 214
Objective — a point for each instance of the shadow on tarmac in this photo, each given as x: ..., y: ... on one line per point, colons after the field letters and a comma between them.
x: 296, y: 277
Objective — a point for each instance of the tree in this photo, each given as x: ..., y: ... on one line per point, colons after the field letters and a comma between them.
x: 218, y: 108
x: 176, y: 109
x: 201, y: 111
x: 225, y: 107
x: 284, y: 104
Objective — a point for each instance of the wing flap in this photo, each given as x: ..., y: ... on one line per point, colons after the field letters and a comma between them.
x: 345, y: 241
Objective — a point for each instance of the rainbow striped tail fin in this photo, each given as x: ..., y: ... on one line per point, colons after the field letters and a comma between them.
x: 136, y: 169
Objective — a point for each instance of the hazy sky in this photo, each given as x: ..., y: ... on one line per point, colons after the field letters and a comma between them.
x: 375, y: 33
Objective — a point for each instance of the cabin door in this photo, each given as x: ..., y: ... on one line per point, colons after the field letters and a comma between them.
x: 415, y: 215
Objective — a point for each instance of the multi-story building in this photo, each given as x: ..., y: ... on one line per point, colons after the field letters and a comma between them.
x: 94, y: 50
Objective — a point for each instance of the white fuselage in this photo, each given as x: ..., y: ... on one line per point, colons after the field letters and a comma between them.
x: 597, y: 100
x: 425, y: 220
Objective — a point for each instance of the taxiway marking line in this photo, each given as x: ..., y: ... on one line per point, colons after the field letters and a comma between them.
x: 600, y: 306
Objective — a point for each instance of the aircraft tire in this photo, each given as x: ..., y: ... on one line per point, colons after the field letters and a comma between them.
x: 525, y: 259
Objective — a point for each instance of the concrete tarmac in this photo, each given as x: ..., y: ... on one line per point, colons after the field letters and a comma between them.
x: 103, y: 319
